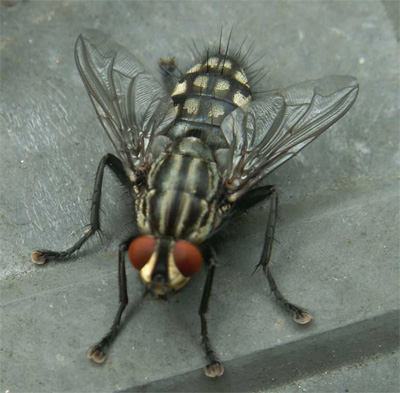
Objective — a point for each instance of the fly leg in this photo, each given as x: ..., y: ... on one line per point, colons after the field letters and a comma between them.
x: 214, y: 368
x: 97, y: 351
x: 42, y: 256
x: 300, y: 315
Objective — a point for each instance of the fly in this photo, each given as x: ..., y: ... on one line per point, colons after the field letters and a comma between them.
x: 192, y: 160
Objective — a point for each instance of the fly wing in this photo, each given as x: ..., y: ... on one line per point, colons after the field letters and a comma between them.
x: 271, y: 131
x: 130, y: 104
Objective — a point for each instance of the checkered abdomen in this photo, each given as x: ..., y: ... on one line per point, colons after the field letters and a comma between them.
x: 205, y: 95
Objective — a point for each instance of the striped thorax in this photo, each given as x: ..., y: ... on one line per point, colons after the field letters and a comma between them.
x: 180, y: 198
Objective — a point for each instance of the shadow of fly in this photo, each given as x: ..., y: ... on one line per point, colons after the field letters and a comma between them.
x: 192, y: 159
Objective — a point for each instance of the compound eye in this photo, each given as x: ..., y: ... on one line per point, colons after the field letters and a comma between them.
x: 141, y: 250
x: 188, y: 258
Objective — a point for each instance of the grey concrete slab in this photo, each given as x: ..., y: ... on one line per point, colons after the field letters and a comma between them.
x: 338, y: 230
x: 393, y: 12
x: 373, y: 374
x: 274, y: 367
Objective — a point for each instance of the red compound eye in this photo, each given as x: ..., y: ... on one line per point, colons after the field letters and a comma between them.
x: 188, y: 258
x: 141, y: 250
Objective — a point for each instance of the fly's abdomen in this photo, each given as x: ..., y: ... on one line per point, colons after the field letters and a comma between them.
x: 205, y: 95
x: 180, y: 200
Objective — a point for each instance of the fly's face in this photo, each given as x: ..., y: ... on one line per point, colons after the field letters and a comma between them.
x: 165, y: 265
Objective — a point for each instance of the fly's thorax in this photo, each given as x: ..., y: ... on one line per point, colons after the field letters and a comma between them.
x: 181, y: 195
x: 164, y: 264
x: 205, y: 95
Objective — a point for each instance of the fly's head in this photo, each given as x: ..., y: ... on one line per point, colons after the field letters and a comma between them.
x: 165, y: 265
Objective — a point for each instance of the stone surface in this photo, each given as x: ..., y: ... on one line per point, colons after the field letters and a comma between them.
x: 338, y: 230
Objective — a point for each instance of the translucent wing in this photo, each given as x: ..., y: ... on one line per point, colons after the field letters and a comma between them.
x: 130, y: 104
x: 271, y: 131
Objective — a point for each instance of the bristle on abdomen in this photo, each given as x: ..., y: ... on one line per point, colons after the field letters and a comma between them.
x: 205, y: 95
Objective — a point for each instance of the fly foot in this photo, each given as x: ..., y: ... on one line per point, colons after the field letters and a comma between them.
x: 213, y: 370
x: 303, y: 317
x: 96, y: 354
x: 300, y: 315
x: 39, y: 257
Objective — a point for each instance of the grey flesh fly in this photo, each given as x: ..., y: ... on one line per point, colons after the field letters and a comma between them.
x: 193, y: 159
